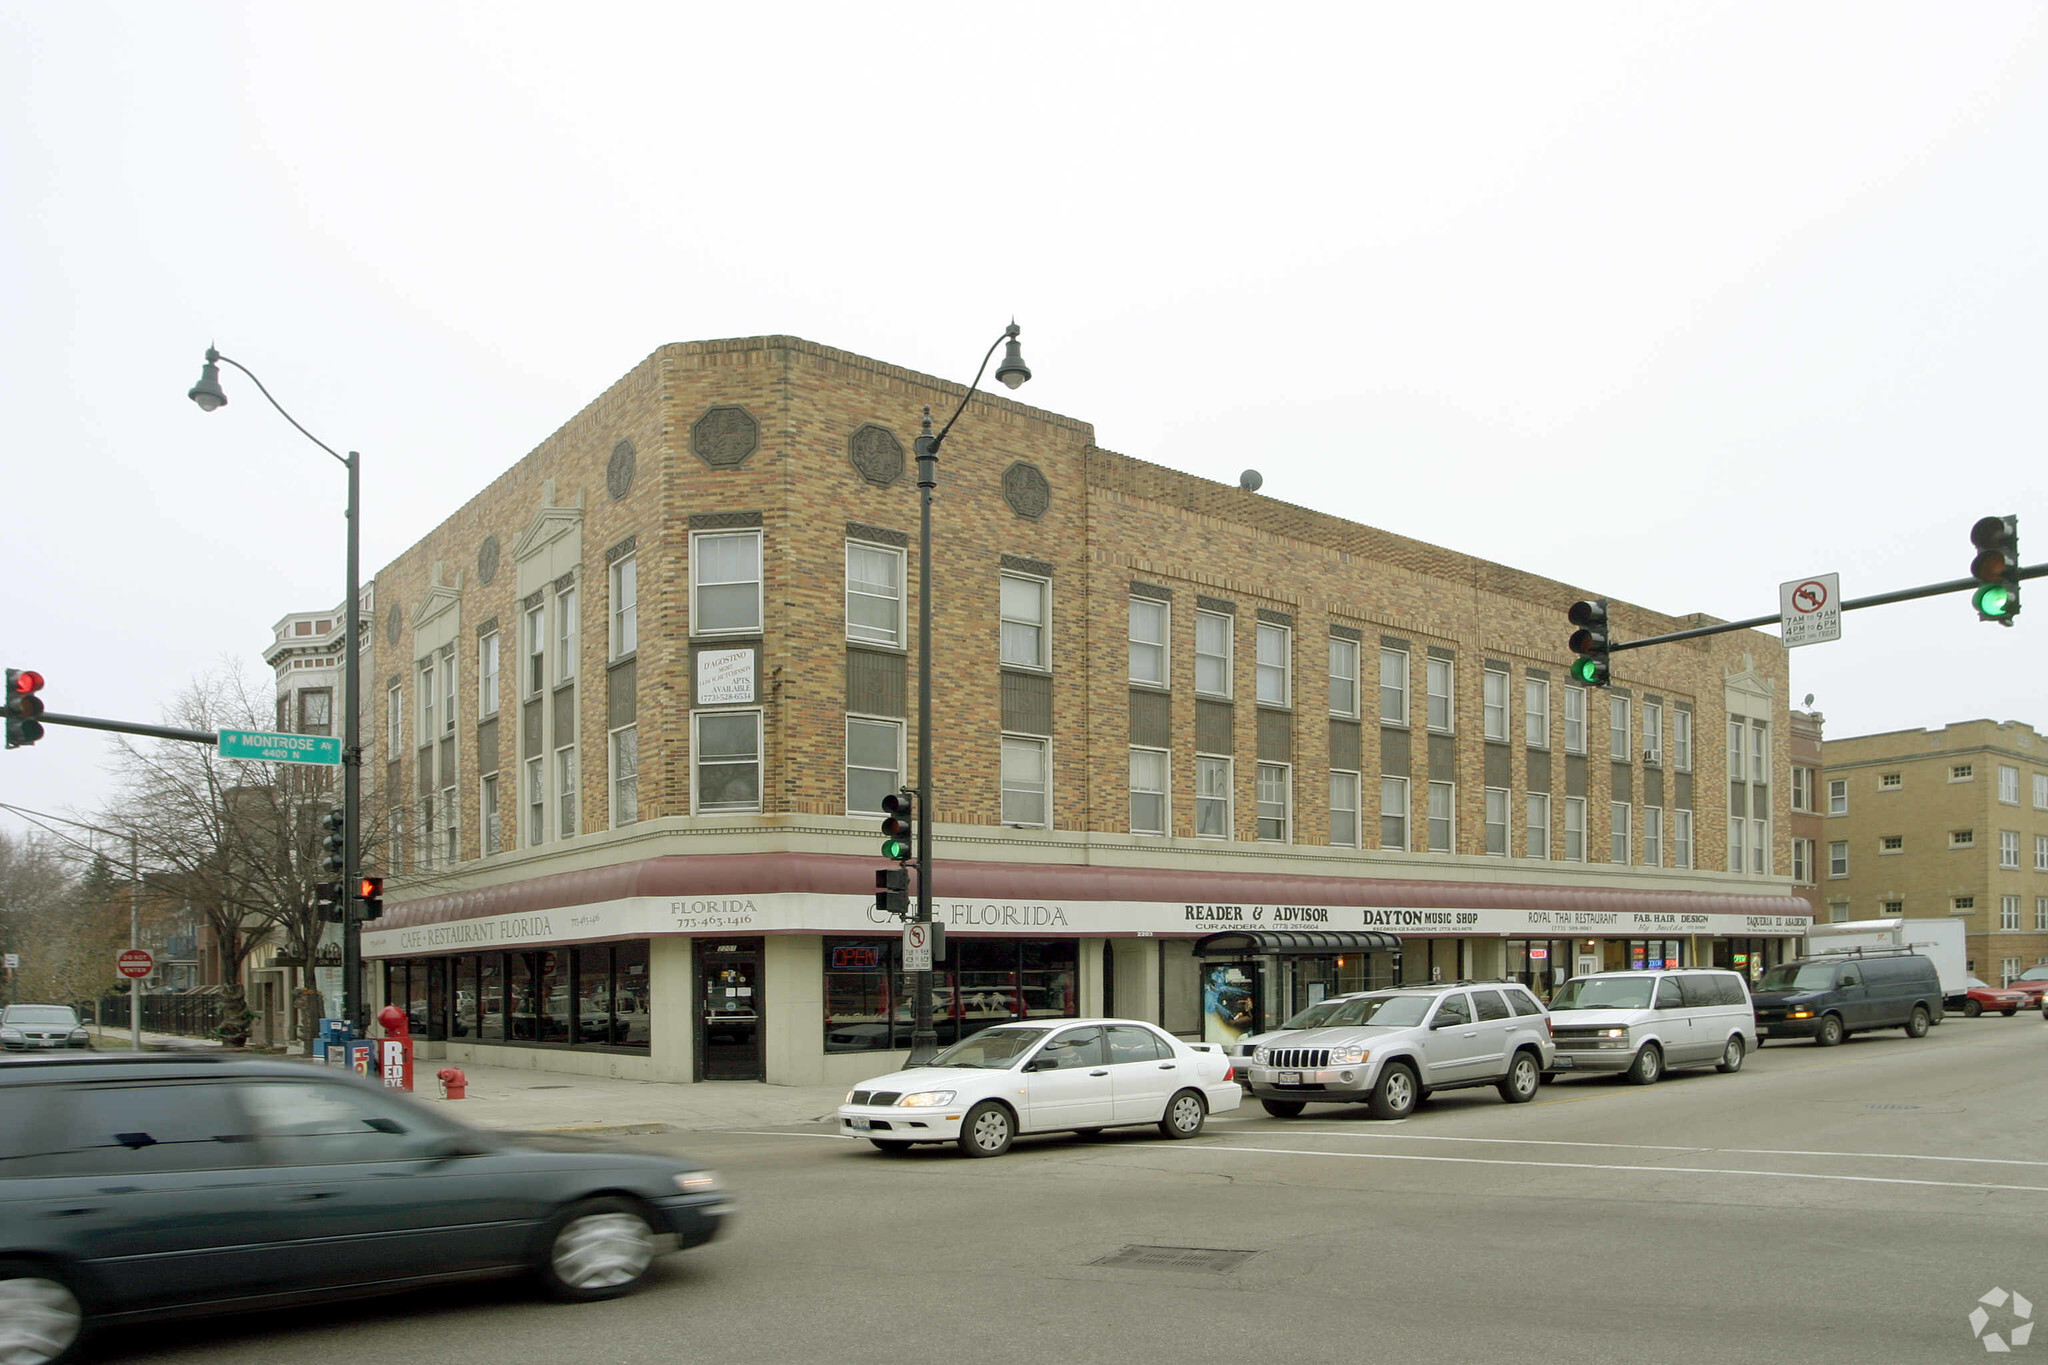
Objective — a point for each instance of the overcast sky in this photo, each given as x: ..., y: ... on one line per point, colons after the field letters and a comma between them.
x: 1669, y: 301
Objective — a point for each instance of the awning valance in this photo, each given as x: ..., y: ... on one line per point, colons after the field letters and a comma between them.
x: 1294, y: 943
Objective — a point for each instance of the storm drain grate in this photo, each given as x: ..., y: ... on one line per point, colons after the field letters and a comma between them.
x: 1214, y: 1260
x: 1891, y: 1106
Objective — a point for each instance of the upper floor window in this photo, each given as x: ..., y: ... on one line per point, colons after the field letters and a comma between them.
x: 874, y: 763
x: 725, y: 582
x: 430, y: 718
x: 1276, y: 800
x: 1681, y: 741
x: 1802, y: 787
x: 1536, y: 712
x: 1148, y: 791
x: 2008, y: 785
x: 1961, y: 772
x: 1276, y: 648
x: 1962, y: 838
x: 1759, y: 751
x: 535, y: 678
x: 1148, y: 641
x: 1343, y: 677
x: 1618, y: 729
x: 726, y: 754
x: 1653, y: 732
x: 487, y: 675
x: 625, y: 606
x: 1574, y: 720
x: 1393, y: 686
x: 448, y: 692
x: 394, y: 722
x: 874, y: 593
x: 1494, y: 706
x: 316, y: 711
x: 1890, y: 782
x: 1212, y: 653
x: 2041, y: 791
x: 1025, y: 797
x: 1838, y: 796
x: 568, y: 628
x: 1026, y: 607
x: 1440, y: 674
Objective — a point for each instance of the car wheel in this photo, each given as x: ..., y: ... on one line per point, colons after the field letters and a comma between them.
x: 887, y: 1148
x: 1184, y: 1116
x: 597, y: 1249
x: 1525, y: 1074
x: 1831, y: 1031
x: 1731, y: 1055
x: 987, y: 1130
x: 40, y: 1318
x: 1971, y: 1009
x: 1284, y: 1109
x: 1647, y: 1067
x: 1917, y: 1026
x: 1394, y: 1097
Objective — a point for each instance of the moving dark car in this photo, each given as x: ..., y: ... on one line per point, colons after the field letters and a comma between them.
x: 145, y: 1185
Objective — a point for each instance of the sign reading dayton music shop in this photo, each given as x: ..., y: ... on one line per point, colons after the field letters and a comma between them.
x: 805, y: 912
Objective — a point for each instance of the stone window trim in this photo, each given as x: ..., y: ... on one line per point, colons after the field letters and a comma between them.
x: 533, y: 599
x: 1151, y: 591
x: 566, y: 581
x: 724, y: 521
x: 489, y: 627
x: 1540, y: 674
x: 877, y: 535
x: 1440, y: 652
x: 1038, y: 568
x: 1351, y: 633
x: 619, y: 551
x: 1215, y: 604
x: 1276, y: 618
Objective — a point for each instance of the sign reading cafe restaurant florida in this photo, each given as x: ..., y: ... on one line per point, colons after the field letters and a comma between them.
x: 808, y: 912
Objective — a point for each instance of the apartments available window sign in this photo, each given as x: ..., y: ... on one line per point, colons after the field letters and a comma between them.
x: 725, y: 676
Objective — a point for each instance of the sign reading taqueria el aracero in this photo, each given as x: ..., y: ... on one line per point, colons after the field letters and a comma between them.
x: 809, y: 912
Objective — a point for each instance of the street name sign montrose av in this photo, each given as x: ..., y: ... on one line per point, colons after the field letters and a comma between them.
x: 270, y: 747
x: 1810, y: 610
x: 135, y: 962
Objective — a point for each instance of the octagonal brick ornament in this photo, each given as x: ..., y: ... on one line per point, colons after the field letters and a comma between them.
x: 1026, y: 489
x: 487, y: 560
x: 725, y: 436
x: 876, y: 454
x: 618, y: 475
x: 394, y: 622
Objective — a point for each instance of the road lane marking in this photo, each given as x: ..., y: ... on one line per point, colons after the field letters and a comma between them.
x: 753, y: 1132
x: 1658, y: 1147
x: 1600, y: 1166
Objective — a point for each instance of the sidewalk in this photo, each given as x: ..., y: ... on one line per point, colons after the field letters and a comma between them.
x: 545, y: 1101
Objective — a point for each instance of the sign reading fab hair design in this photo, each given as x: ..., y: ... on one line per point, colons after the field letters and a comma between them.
x: 803, y: 912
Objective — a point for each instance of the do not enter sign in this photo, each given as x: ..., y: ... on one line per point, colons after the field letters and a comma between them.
x: 135, y: 962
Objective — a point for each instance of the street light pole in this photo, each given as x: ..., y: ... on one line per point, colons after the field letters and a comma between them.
x: 924, y: 1039
x: 208, y: 394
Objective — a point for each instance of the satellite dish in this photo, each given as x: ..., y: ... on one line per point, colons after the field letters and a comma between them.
x: 1250, y: 481
x: 1809, y: 701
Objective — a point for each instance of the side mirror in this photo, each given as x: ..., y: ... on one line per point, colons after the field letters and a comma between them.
x: 1444, y: 1021
x: 1042, y: 1064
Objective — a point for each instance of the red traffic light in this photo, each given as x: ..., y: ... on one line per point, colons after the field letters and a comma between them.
x: 27, y: 680
x: 369, y: 888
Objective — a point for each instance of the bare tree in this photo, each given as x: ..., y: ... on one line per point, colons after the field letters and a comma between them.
x: 47, y: 921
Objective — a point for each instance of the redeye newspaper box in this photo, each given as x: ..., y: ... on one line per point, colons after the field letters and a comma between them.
x: 394, y: 1049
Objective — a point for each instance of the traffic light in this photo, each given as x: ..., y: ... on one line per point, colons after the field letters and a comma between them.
x: 370, y: 894
x: 1590, y: 642
x: 892, y: 891
x: 899, y: 825
x: 1997, y: 567
x: 23, y: 707
x: 335, y: 841
x: 327, y: 900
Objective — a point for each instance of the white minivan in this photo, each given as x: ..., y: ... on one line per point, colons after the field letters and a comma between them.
x: 1643, y: 1024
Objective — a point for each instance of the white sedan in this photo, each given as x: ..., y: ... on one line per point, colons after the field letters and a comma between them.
x: 1079, y: 1075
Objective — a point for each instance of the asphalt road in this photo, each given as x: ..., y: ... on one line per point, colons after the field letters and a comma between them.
x: 1851, y: 1204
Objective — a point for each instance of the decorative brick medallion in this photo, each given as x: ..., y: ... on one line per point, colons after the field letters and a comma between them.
x: 394, y: 622
x: 618, y: 476
x: 487, y: 560
x: 876, y: 454
x: 725, y: 436
x: 1026, y: 490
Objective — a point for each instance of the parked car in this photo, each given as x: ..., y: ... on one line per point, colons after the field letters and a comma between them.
x: 30, y: 1028
x: 158, y: 1185
x: 2033, y: 984
x: 1980, y: 995
x: 1829, y: 998
x: 1390, y: 1049
x: 1643, y: 1024
x: 1242, y: 1051
x: 1066, y: 1076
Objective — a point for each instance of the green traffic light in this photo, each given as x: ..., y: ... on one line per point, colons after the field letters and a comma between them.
x: 1993, y: 600
x: 1586, y: 670
x: 895, y: 848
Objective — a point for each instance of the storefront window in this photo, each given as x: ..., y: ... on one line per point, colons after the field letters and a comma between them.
x: 869, y: 1004
x: 593, y: 996
x: 490, y: 993
x: 1541, y: 964
x: 1655, y: 954
x: 630, y: 996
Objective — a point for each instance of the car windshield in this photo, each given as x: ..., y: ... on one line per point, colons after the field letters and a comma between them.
x: 39, y: 1014
x: 1603, y: 993
x: 1315, y: 1015
x: 1379, y: 1011
x: 1800, y: 976
x: 1976, y: 983
x: 991, y: 1049
x: 2033, y: 974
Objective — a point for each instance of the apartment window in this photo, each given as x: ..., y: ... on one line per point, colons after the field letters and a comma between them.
x: 1275, y: 644
x: 1439, y: 675
x: 1738, y: 844
x: 1494, y: 704
x: 1738, y: 749
x: 1838, y: 911
x: 487, y: 811
x: 1653, y: 732
x: 1653, y: 836
x: 316, y: 711
x: 1760, y: 847
x: 1212, y: 653
x: 1536, y: 712
x: 536, y: 803
x: 568, y: 629
x: 2009, y: 849
x: 1148, y: 642
x: 2041, y: 791
x: 1802, y: 788
x: 1443, y: 806
x: 725, y: 582
x: 1212, y: 798
x: 1759, y: 751
x: 1394, y: 812
x: 1575, y: 829
x: 2008, y: 785
x: 1344, y: 813
x: 725, y: 752
x: 1536, y: 826
x: 2009, y: 916
x: 1962, y: 838
x: 874, y: 593
x: 536, y: 675
x: 1025, y: 795
x: 1892, y: 907
x: 448, y: 693
x: 1681, y: 838
x: 1343, y: 677
x: 2041, y: 853
x: 1618, y: 843
x: 1838, y: 858
x: 1892, y: 843
x: 2008, y: 970
x: 1393, y: 686
x: 1838, y: 796
x: 1275, y: 797
x: 2040, y: 913
x: 487, y: 675
x: 874, y: 763
x: 1574, y: 720
x: 430, y: 720
x: 1681, y: 741
x: 1026, y: 616
x: 1497, y: 820
x: 1890, y: 782
x: 451, y: 813
x: 1618, y: 729
x: 625, y: 787
x: 625, y: 632
x: 1802, y: 861
x: 1148, y: 791
x: 1961, y: 772
x: 568, y: 810
x: 1962, y: 905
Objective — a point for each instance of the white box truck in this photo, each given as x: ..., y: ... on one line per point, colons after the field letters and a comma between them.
x: 1940, y: 940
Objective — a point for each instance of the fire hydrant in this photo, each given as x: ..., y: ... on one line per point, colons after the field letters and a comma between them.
x: 454, y: 1085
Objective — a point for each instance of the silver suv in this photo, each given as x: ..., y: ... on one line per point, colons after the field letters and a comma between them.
x: 1389, y: 1049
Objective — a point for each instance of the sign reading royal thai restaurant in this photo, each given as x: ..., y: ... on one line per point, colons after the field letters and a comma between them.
x: 725, y: 676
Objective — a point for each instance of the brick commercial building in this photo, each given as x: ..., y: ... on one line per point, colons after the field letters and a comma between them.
x: 1932, y: 823
x: 639, y: 700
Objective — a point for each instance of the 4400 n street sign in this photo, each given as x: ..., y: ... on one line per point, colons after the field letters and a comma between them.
x: 268, y: 747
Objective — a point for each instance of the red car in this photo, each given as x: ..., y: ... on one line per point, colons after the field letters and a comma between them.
x: 1982, y: 996
x: 2033, y: 984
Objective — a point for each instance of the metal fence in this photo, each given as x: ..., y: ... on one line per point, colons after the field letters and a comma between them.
x: 192, y: 1014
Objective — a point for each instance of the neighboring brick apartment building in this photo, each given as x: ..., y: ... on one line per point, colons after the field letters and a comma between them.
x: 1927, y: 823
x: 642, y: 694
x: 1807, y: 823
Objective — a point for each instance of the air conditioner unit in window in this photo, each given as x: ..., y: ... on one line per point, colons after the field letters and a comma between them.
x: 1653, y: 755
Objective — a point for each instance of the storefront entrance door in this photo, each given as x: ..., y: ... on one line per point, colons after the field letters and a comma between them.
x: 729, y: 1009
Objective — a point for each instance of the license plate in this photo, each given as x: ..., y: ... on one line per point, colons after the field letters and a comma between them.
x: 859, y: 1124
x: 48, y: 1042
x: 1290, y: 1078
x: 1562, y: 1063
